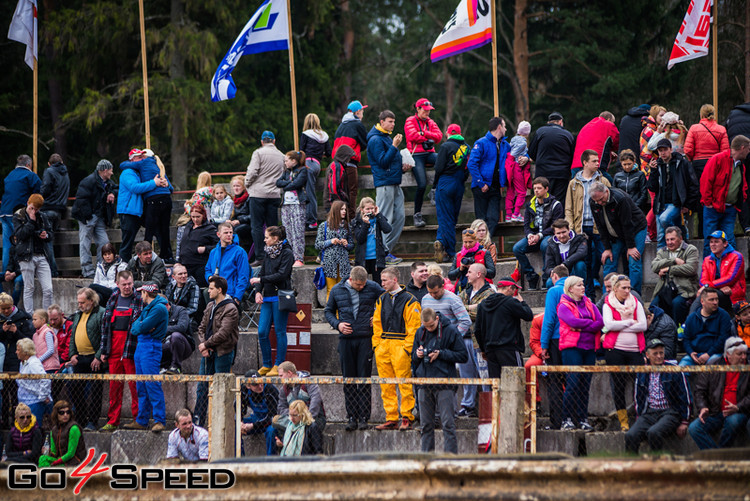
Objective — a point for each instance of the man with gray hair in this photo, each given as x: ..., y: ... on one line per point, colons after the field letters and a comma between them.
x: 622, y: 228
x: 723, y: 399
x: 677, y: 263
x: 17, y: 187
x: 94, y: 209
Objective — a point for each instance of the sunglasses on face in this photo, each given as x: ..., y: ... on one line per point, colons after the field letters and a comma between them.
x: 63, y: 412
x: 468, y: 232
x: 23, y: 418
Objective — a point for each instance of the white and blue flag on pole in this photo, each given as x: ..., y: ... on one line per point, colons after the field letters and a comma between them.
x: 267, y: 30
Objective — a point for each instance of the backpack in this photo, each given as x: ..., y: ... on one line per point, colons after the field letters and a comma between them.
x: 337, y: 185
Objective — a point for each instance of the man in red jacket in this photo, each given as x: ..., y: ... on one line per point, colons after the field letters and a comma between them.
x: 724, y: 190
x: 600, y: 135
x: 724, y: 270
x: 352, y: 133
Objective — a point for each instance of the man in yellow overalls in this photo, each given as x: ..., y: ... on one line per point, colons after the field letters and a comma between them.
x: 396, y: 320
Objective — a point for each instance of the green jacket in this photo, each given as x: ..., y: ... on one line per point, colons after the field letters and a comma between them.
x: 684, y: 276
x: 93, y: 329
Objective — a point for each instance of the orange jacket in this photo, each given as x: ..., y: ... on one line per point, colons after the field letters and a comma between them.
x: 535, y: 334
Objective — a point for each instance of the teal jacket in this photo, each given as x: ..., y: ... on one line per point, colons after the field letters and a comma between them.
x: 153, y: 321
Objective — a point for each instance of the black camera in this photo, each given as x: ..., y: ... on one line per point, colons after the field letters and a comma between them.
x: 429, y: 144
x: 427, y: 355
x: 467, y: 261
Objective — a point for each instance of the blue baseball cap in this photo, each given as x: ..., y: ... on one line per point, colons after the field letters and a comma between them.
x: 355, y: 106
x: 267, y: 134
x: 718, y: 234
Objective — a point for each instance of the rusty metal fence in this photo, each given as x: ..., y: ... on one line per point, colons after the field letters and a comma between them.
x: 106, y: 407
x: 585, y: 410
x: 349, y: 415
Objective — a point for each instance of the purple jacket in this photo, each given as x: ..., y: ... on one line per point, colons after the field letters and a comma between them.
x: 580, y: 323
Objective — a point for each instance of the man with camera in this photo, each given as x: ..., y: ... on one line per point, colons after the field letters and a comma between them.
x: 437, y: 349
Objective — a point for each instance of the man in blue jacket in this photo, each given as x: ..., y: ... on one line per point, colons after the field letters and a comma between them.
x: 18, y: 186
x: 386, y: 165
x: 550, y: 340
x: 229, y: 260
x: 150, y: 328
x: 130, y: 200
x: 706, y: 330
x: 487, y: 168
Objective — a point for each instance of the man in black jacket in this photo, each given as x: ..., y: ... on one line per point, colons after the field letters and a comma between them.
x: 568, y: 248
x: 55, y: 190
x: 437, y: 349
x: 94, y: 208
x: 450, y: 175
x: 675, y: 189
x: 179, y: 342
x: 552, y: 148
x: 621, y: 226
x: 631, y: 128
x: 147, y: 267
x: 263, y: 400
x: 498, y: 327
x: 417, y: 286
x: 350, y: 307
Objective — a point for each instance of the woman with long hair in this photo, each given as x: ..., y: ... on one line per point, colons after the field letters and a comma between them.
x: 483, y: 237
x: 275, y: 273
x: 66, y: 444
x: 334, y: 242
x: 315, y: 144
x: 241, y: 219
x: 203, y: 193
x: 196, y: 240
x: 624, y: 341
x: 471, y: 252
x: 580, y: 328
x: 301, y: 437
x: 105, y: 279
x: 292, y: 183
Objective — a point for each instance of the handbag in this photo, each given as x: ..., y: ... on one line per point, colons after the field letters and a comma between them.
x: 287, y: 300
x: 319, y: 279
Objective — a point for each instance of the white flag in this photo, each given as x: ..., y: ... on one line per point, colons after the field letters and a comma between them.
x: 469, y: 27
x: 267, y: 30
x: 692, y: 39
x: 23, y: 29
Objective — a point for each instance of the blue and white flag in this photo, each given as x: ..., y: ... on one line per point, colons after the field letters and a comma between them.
x: 267, y: 30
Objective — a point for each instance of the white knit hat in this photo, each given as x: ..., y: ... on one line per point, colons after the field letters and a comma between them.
x: 524, y: 128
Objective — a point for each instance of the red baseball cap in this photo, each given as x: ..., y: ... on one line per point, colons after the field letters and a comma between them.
x: 135, y: 152
x: 506, y: 282
x: 424, y: 103
x: 454, y: 129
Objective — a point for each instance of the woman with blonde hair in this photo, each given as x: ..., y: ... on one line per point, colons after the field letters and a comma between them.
x: 483, y: 237
x: 241, y: 218
x: 203, y: 194
x: 315, y: 144
x: 672, y: 128
x: 435, y: 269
x: 25, y: 440
x: 36, y: 393
x: 301, y: 437
x: 651, y: 123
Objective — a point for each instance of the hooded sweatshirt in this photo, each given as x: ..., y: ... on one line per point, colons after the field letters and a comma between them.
x: 56, y: 187
x: 352, y: 133
x: 498, y: 325
x: 315, y: 144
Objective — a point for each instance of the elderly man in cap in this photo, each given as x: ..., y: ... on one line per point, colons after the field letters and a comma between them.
x: 662, y: 403
x: 675, y: 188
x: 353, y: 133
x: 94, y: 209
x: 723, y: 399
x: 266, y: 166
x: 723, y: 187
x: 552, y: 149
x: 724, y: 270
x: 498, y: 327
x: 450, y: 175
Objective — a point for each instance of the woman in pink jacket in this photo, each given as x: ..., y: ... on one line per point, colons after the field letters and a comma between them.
x: 422, y: 135
x: 580, y: 328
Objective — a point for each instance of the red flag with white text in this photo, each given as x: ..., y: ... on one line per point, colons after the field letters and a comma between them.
x: 23, y: 29
x: 695, y: 31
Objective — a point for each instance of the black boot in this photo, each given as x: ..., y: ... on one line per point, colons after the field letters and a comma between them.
x: 351, y: 425
x: 532, y: 281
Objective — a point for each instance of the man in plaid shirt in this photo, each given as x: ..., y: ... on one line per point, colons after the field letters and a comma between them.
x: 662, y: 403
x: 118, y: 344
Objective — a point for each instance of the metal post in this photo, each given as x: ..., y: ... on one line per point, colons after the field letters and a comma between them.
x: 221, y: 417
x: 512, y: 397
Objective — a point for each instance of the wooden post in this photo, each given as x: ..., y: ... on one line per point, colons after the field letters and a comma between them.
x: 495, y: 433
x: 494, y: 59
x: 35, y: 133
x: 221, y: 417
x: 715, y: 54
x: 512, y: 396
x: 291, y: 75
x: 533, y: 409
x: 145, y: 74
x: 238, y: 420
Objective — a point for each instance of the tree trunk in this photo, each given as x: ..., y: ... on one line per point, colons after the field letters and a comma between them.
x: 450, y: 93
x: 178, y: 115
x: 521, y: 60
x: 55, y: 94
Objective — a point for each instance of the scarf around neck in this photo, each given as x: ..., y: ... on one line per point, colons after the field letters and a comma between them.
x: 28, y: 427
x: 474, y: 249
x: 273, y: 251
x: 626, y: 310
x: 238, y: 201
x: 293, y: 439
x: 378, y: 127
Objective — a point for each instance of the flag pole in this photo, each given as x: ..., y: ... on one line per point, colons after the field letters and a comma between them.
x: 35, y: 133
x: 291, y: 75
x: 145, y: 74
x: 715, y: 54
x: 494, y: 60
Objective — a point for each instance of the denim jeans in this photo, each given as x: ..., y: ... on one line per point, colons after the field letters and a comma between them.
x: 487, y: 206
x: 688, y: 361
x: 678, y: 310
x: 17, y: 288
x: 420, y: 165
x: 210, y: 365
x: 7, y: 222
x: 150, y: 394
x: 469, y: 369
x: 522, y: 247
x: 579, y: 270
x: 730, y: 427
x: 264, y: 212
x: 390, y: 201
x: 37, y: 267
x: 593, y: 259
x: 714, y: 220
x: 670, y: 216
x: 269, y: 311
x: 95, y: 230
x: 576, y: 396
x: 636, y: 266
x: 313, y: 169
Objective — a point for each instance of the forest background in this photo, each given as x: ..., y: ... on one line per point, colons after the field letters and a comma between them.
x: 575, y: 57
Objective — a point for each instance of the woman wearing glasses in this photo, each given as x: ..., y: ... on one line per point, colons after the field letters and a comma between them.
x: 471, y: 252
x: 66, y: 444
x: 24, y: 444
